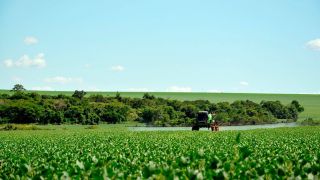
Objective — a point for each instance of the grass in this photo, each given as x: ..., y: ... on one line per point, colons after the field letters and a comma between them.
x: 13, y: 127
x: 310, y: 122
x: 311, y: 102
x: 111, y: 151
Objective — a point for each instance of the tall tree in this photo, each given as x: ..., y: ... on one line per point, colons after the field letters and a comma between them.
x: 79, y: 94
x: 18, y: 88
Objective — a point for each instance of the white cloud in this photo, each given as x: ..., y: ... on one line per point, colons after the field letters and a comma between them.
x: 30, y: 40
x: 117, y: 68
x: 26, y: 61
x: 63, y: 80
x: 308, y: 92
x: 214, y: 91
x: 8, y: 63
x: 244, y: 83
x: 138, y: 90
x: 94, y: 89
x: 179, y: 89
x: 87, y: 66
x: 314, y: 44
x: 42, y: 88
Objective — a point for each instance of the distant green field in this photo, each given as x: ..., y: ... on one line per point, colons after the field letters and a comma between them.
x: 311, y: 102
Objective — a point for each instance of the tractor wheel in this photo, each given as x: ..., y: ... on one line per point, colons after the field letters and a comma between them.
x: 195, y: 128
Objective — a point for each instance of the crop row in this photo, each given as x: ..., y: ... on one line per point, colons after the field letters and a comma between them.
x: 117, y: 153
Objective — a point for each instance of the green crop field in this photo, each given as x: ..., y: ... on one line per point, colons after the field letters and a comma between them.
x: 114, y: 152
x: 311, y: 102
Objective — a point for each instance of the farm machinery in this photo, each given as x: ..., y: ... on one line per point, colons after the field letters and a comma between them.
x: 201, y: 121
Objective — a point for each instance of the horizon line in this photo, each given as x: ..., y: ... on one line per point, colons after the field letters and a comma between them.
x: 192, y: 92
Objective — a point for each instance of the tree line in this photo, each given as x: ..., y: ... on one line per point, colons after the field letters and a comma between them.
x: 31, y: 107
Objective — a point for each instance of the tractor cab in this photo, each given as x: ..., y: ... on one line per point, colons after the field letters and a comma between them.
x: 201, y: 121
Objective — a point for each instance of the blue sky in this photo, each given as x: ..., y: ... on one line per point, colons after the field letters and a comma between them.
x: 133, y: 45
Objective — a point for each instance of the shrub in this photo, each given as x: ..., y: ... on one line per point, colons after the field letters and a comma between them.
x: 21, y: 111
x: 23, y: 107
x: 12, y: 127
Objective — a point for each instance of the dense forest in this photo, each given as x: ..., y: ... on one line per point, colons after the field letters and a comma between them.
x: 30, y: 107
